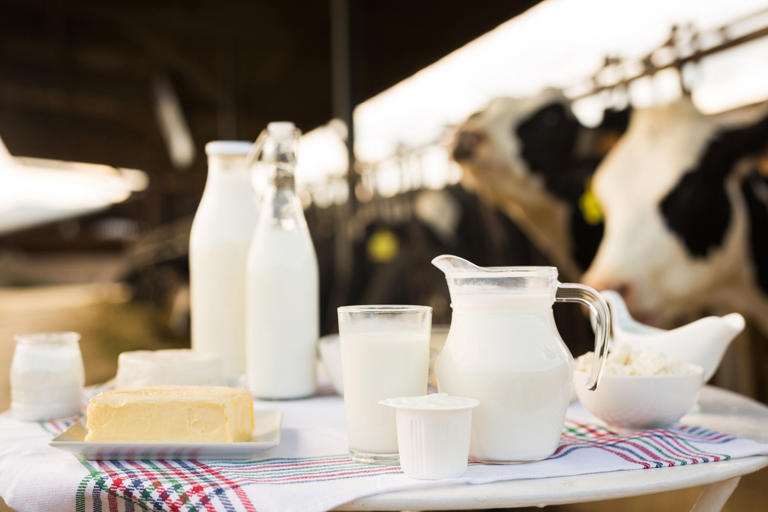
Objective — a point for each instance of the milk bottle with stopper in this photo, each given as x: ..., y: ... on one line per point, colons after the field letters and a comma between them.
x: 282, y: 297
x: 504, y: 350
x: 218, y: 248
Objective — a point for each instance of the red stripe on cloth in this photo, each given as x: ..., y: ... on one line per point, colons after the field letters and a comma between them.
x: 239, y: 492
x: 648, y: 452
x: 299, y: 464
x: 115, y: 485
x: 618, y: 439
x: 591, y: 430
x: 112, y: 499
x: 629, y: 441
x: 677, y: 443
x: 195, y: 488
x: 675, y: 449
x: 151, y: 475
x: 318, y: 477
x: 699, y: 438
x: 116, y: 481
x: 646, y: 465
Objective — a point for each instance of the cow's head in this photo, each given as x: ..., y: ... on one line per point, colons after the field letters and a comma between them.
x: 514, y: 141
x: 533, y: 158
x: 676, y: 228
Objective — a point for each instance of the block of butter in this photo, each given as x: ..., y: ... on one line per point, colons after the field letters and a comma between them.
x: 171, y: 414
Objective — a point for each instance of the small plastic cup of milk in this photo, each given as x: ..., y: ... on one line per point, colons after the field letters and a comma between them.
x: 47, y: 376
x: 433, y: 433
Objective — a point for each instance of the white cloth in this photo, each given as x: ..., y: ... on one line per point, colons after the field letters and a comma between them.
x: 308, y: 471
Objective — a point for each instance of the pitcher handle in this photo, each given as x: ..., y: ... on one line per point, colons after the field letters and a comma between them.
x: 573, y: 292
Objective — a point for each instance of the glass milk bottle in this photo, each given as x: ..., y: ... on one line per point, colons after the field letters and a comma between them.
x: 282, y: 297
x: 218, y: 249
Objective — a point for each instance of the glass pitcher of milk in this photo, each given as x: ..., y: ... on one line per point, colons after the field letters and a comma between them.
x: 218, y: 247
x: 504, y: 350
x: 282, y: 284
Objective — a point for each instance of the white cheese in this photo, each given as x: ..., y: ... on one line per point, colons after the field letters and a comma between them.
x: 173, y: 367
x: 623, y: 360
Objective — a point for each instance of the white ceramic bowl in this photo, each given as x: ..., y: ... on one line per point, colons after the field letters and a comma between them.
x: 636, y: 403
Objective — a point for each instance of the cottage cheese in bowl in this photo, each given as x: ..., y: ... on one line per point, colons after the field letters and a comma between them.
x: 639, y: 389
x: 623, y: 360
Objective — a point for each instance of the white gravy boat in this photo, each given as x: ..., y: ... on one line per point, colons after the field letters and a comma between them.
x: 702, y: 342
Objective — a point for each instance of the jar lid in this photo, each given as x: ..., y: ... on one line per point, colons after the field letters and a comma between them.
x: 228, y: 147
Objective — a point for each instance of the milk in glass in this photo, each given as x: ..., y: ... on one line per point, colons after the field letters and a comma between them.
x: 380, y: 365
x: 384, y: 354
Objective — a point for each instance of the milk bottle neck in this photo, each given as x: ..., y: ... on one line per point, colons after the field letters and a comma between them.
x: 227, y: 166
x: 283, y: 180
x: 228, y: 183
x: 282, y: 209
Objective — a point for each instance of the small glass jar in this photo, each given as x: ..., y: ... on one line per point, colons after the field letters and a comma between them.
x: 47, y: 376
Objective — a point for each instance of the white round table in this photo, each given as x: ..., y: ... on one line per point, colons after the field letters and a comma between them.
x: 719, y: 410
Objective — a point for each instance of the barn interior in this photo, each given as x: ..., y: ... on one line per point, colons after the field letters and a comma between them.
x: 105, y: 111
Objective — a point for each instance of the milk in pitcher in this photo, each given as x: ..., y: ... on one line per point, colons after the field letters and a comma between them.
x: 504, y: 350
x: 523, y: 386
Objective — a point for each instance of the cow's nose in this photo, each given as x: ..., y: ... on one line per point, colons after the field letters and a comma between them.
x: 466, y: 143
x: 624, y: 289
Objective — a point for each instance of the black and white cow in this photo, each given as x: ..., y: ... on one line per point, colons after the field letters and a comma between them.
x: 533, y: 159
x: 686, y: 216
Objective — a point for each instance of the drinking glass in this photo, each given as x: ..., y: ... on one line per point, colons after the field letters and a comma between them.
x: 384, y: 354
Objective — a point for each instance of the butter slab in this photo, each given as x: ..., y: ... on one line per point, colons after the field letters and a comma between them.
x: 171, y: 414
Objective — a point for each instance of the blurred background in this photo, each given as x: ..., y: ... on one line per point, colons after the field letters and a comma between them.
x: 624, y: 142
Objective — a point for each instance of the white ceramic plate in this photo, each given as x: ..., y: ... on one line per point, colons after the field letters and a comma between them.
x: 266, y: 435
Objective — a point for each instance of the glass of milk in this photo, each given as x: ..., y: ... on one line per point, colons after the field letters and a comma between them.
x: 384, y: 354
x: 47, y: 376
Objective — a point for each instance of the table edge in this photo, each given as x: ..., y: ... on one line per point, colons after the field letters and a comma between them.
x: 574, y: 489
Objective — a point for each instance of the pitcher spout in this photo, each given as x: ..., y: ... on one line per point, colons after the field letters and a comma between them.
x: 449, y: 263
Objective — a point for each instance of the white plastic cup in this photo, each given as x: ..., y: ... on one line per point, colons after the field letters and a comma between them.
x: 433, y: 434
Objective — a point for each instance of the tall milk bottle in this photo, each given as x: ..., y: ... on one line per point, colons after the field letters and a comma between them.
x: 218, y: 249
x: 282, y: 297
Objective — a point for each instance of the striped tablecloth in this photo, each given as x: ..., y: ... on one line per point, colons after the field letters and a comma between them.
x: 310, y: 470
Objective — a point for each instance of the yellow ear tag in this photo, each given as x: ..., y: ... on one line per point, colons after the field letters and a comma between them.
x: 382, y: 246
x: 590, y: 207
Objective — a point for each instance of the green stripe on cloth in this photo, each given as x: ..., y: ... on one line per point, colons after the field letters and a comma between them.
x: 692, y: 448
x: 177, y: 486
